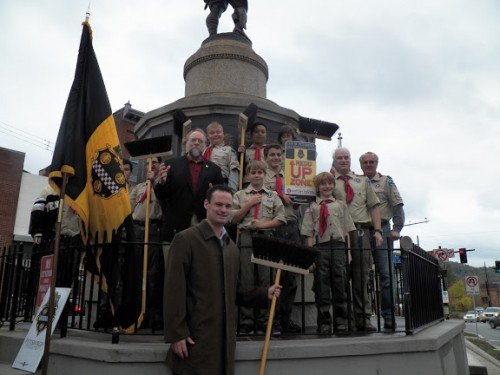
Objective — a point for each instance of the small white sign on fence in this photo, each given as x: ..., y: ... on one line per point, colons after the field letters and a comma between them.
x: 31, y: 351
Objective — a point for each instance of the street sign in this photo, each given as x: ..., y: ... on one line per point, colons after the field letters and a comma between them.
x: 451, y: 253
x: 472, y: 285
x: 446, y: 298
x: 441, y: 254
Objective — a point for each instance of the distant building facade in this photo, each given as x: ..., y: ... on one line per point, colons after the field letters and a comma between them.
x: 11, y: 171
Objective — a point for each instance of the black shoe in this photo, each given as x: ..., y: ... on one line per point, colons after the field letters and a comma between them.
x: 290, y: 326
x: 388, y: 324
x: 368, y: 327
x: 275, y: 330
x: 324, y: 329
x: 341, y: 328
x: 246, y: 330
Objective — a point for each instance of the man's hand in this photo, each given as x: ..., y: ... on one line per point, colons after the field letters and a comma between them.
x: 37, y: 240
x: 164, y: 173
x: 274, y: 291
x: 394, y: 235
x: 288, y: 200
x: 180, y: 347
x: 378, y: 239
x: 241, y: 149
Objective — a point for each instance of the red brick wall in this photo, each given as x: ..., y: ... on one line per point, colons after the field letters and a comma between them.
x: 125, y: 131
x: 11, y: 171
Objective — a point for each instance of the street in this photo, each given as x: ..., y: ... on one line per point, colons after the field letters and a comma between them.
x: 485, y: 331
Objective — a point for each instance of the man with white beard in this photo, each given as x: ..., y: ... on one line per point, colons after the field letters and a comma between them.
x: 183, y: 184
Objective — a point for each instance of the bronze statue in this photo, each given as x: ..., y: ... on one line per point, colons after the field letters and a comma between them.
x: 217, y: 7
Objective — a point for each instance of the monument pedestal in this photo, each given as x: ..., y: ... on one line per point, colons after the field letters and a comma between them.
x: 222, y: 78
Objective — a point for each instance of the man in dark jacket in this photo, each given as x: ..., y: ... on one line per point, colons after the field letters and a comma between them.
x: 201, y: 290
x: 183, y: 185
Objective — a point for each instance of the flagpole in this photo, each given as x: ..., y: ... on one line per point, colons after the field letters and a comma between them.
x: 57, y: 241
x: 146, y: 243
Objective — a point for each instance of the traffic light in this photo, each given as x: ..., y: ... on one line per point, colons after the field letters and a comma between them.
x: 497, y: 266
x: 463, y: 255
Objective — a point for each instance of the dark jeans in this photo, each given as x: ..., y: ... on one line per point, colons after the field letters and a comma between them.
x: 383, y: 262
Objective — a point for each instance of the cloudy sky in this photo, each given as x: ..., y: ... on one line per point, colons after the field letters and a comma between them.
x: 416, y: 82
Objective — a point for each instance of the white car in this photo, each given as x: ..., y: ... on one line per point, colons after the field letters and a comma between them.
x: 471, y: 316
x: 489, y: 312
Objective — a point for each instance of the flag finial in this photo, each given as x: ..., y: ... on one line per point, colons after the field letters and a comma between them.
x: 87, y: 13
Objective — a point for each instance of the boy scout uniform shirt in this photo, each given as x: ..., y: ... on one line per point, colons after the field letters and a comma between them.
x: 270, y: 206
x: 250, y: 155
x: 339, y: 221
x: 270, y: 183
x: 388, y: 194
x: 364, y: 197
x: 225, y: 157
x: 139, y: 208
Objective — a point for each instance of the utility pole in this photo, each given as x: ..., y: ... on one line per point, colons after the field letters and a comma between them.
x: 487, y: 287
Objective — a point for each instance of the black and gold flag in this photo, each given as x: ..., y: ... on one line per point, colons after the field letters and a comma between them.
x: 88, y: 149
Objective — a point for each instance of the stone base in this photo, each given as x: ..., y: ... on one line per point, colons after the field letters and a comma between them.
x: 437, y: 350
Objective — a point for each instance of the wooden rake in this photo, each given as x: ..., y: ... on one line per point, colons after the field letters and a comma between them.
x: 140, y: 150
x: 281, y: 255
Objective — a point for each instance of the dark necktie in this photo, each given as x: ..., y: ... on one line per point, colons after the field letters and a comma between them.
x: 348, y: 188
x: 323, y: 216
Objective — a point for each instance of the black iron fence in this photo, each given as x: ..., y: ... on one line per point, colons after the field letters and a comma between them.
x: 104, y: 295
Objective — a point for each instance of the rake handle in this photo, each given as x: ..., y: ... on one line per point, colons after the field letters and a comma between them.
x: 269, y: 326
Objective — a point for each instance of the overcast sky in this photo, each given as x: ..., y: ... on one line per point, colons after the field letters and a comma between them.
x: 416, y: 82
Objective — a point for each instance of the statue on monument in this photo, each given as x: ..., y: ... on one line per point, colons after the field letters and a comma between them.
x: 217, y: 7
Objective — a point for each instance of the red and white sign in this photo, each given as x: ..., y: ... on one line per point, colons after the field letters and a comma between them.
x: 472, y: 285
x: 441, y: 254
x: 46, y: 270
x: 451, y: 253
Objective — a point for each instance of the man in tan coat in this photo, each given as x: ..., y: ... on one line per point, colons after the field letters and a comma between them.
x: 201, y: 292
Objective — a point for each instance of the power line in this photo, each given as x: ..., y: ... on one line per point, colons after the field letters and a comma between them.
x: 25, y: 136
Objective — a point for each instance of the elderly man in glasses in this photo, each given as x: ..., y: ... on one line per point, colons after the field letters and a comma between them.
x: 363, y: 206
x: 391, y: 207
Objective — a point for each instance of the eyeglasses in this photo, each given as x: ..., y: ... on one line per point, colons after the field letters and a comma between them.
x: 368, y: 161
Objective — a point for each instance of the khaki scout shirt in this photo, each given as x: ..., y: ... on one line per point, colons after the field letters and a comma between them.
x: 388, y: 194
x: 270, y: 183
x: 363, y: 200
x: 139, y: 208
x: 250, y: 155
x: 225, y: 157
x: 270, y: 207
x: 339, y: 221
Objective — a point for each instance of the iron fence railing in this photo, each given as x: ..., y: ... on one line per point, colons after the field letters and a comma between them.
x: 99, y: 276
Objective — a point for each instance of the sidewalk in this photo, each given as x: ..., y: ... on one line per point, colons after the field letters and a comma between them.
x: 478, y: 357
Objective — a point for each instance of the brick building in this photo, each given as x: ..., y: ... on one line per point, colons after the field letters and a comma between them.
x: 490, y: 296
x: 11, y: 171
x: 125, y: 120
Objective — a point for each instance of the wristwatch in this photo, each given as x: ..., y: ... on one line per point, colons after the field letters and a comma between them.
x: 378, y: 230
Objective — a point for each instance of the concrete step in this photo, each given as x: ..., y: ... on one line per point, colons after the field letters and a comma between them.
x: 6, y: 369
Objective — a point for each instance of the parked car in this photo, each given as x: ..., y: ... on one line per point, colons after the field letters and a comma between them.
x: 495, y: 322
x: 471, y: 316
x: 488, y: 313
